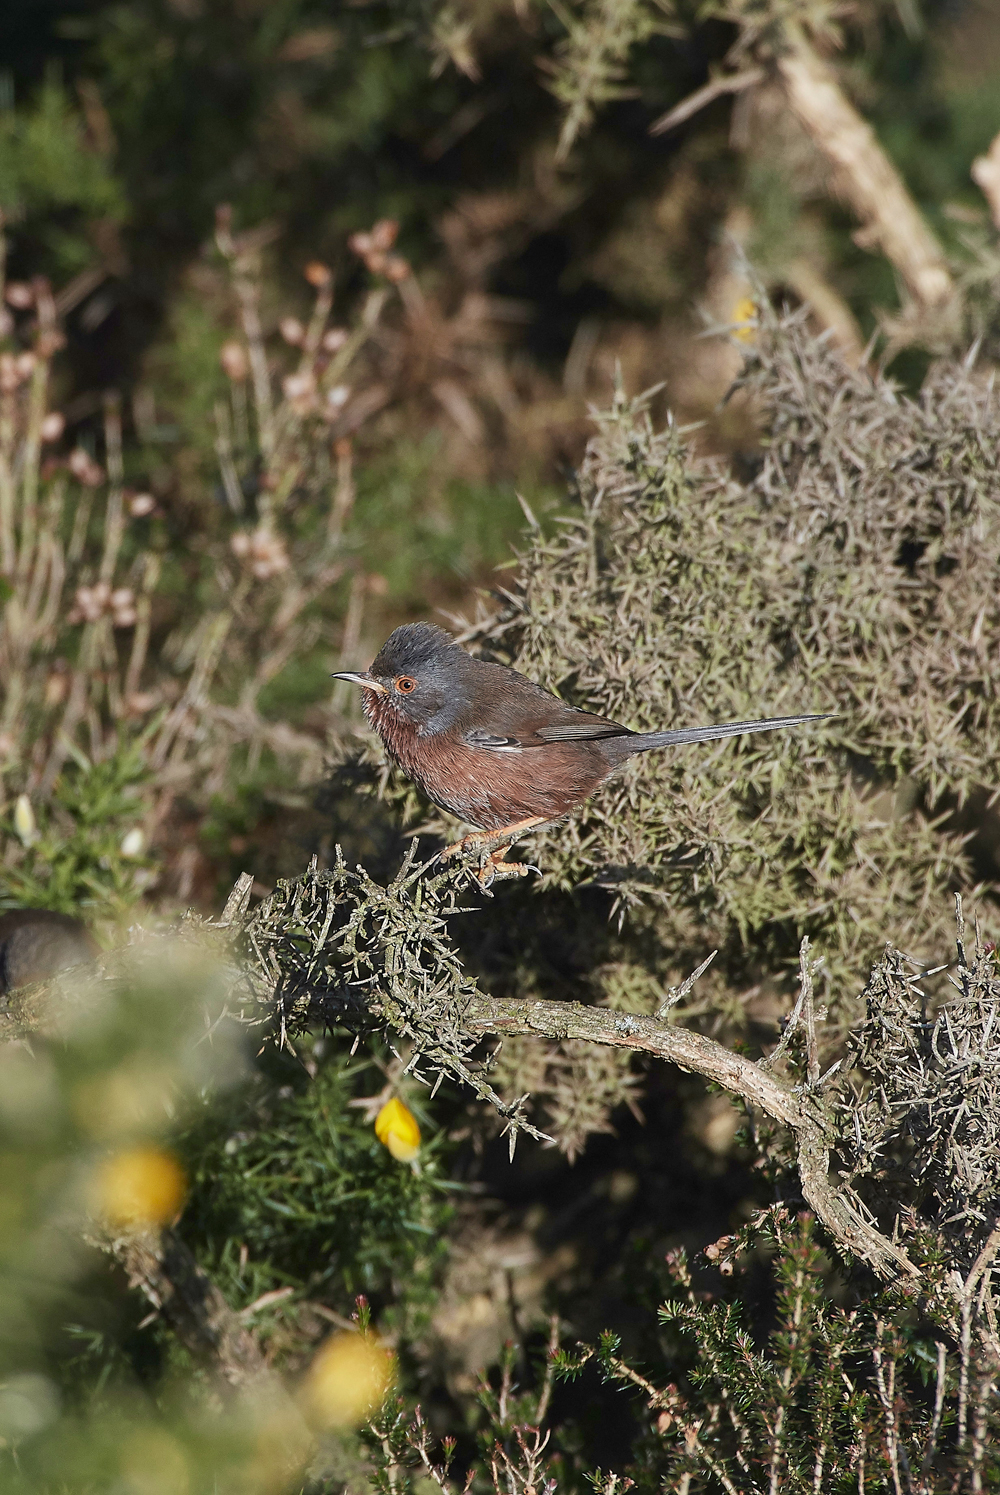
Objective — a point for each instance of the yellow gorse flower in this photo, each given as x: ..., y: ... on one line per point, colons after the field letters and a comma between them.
x: 745, y: 310
x: 142, y: 1186
x: 397, y: 1129
x: 348, y: 1379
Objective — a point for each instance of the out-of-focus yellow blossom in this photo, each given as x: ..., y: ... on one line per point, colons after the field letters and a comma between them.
x: 143, y: 1186
x: 745, y: 310
x: 153, y: 1463
x: 347, y: 1380
x: 397, y: 1129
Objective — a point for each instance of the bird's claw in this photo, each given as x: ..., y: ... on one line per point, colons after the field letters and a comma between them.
x: 492, y: 847
x: 491, y: 871
x: 492, y: 842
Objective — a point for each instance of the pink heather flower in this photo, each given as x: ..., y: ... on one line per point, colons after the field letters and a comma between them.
x: 19, y: 295
x: 234, y: 360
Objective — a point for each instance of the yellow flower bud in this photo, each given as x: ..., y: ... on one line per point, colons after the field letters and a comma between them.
x: 745, y: 310
x: 143, y: 1186
x: 396, y: 1128
x: 347, y: 1380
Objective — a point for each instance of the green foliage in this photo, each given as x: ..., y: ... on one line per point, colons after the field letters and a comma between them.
x: 830, y: 1397
x: 292, y: 1189
x: 268, y: 104
x: 829, y: 1386
x: 422, y: 529
x: 123, y: 1060
x: 854, y: 570
x: 854, y: 573
x: 51, y: 176
x: 78, y: 857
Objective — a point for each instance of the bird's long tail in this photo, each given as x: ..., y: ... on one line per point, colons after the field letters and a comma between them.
x: 649, y: 740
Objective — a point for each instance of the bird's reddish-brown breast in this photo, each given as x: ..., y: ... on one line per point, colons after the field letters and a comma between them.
x: 486, y: 787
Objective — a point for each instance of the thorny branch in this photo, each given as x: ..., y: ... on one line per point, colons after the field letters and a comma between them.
x: 336, y: 948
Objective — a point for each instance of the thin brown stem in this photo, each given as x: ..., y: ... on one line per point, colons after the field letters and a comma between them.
x: 114, y: 514
x: 933, y: 1432
x: 343, y: 497
x: 143, y: 623
x: 30, y: 457
x: 8, y: 493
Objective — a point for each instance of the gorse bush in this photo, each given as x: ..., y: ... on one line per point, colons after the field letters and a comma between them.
x: 853, y: 572
x: 323, y: 1215
x: 86, y: 851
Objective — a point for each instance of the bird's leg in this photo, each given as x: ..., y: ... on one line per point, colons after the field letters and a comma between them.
x: 493, y: 847
x: 481, y: 839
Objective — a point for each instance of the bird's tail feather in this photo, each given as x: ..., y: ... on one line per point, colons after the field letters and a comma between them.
x: 649, y: 740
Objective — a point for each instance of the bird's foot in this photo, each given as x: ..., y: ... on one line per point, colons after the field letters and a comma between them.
x: 493, y: 868
x: 499, y: 840
x: 493, y: 847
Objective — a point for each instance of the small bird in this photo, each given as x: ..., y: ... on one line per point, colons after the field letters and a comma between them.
x: 35, y: 943
x: 492, y: 747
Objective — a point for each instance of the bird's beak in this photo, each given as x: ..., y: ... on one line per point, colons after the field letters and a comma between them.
x: 365, y: 681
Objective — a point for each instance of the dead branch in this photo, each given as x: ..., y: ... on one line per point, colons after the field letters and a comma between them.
x: 165, y: 1271
x: 865, y: 177
x: 986, y: 175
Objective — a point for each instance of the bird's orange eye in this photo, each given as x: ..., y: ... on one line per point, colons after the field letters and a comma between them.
x: 405, y: 684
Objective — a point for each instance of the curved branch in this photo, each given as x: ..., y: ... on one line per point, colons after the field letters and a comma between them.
x: 624, y: 1030
x: 733, y: 1072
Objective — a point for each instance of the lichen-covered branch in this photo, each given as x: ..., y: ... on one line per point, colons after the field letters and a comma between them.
x: 732, y: 1072
x: 688, y: 1050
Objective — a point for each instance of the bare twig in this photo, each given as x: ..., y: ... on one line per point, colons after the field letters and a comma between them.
x: 677, y: 993
x: 715, y: 89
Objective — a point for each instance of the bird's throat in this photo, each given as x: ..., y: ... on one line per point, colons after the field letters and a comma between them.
x: 385, y: 718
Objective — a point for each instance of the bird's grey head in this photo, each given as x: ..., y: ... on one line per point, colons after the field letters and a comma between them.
x: 419, y: 673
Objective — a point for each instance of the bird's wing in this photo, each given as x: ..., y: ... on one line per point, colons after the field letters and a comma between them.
x: 587, y: 729
x: 537, y: 728
x: 495, y: 742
